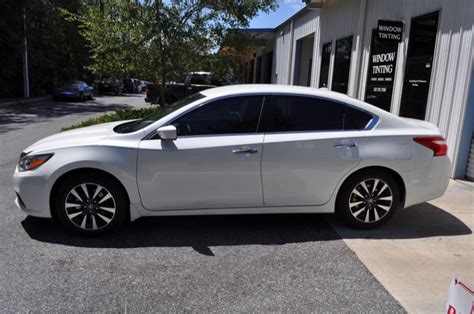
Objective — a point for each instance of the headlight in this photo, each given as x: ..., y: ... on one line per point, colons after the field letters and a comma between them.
x: 32, y: 162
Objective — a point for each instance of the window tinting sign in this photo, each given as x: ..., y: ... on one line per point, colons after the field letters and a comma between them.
x: 381, y: 72
x: 389, y: 30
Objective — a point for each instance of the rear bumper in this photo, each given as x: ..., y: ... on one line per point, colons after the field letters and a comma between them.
x: 427, y: 183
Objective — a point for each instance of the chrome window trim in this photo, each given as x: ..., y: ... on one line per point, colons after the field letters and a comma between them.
x: 369, y: 126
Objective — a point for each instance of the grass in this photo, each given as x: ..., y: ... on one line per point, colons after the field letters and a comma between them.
x: 121, y: 114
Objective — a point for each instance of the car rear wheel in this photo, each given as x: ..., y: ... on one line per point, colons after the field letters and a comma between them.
x: 91, y: 204
x: 369, y: 199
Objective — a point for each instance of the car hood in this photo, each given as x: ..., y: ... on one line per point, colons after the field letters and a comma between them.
x: 77, y: 137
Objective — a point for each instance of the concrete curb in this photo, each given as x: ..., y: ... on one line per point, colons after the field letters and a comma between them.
x: 24, y: 101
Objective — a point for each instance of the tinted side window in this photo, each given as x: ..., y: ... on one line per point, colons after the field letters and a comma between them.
x: 355, y: 119
x: 201, y: 79
x: 225, y: 116
x: 292, y: 113
x: 305, y: 114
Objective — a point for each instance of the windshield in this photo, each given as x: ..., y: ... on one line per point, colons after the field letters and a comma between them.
x: 71, y: 85
x: 136, y: 125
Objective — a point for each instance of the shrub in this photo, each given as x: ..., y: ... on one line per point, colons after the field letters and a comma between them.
x: 121, y: 114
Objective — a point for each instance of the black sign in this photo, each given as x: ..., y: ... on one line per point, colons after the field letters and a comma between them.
x: 389, y: 31
x: 381, y: 72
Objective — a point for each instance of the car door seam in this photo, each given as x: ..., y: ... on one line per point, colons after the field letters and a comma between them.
x: 261, y: 174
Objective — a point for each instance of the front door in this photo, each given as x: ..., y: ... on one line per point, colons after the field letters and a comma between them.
x: 214, y: 162
x: 310, y: 145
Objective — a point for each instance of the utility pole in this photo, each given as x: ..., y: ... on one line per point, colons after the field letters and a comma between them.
x: 26, y: 80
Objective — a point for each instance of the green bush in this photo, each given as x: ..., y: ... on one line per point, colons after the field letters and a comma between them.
x: 121, y: 114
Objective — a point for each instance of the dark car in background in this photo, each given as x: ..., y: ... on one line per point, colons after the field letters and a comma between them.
x: 130, y: 85
x: 142, y: 86
x: 77, y: 90
x: 110, y: 86
x: 191, y: 83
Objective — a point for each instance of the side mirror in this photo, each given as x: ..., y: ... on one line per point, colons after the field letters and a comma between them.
x: 168, y: 132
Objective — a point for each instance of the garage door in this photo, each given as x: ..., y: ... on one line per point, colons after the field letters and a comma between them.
x: 470, y: 163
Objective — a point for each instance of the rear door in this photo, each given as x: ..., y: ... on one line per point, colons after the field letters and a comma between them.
x: 309, y: 145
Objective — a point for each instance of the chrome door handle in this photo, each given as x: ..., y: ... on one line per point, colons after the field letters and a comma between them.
x: 344, y: 145
x: 244, y: 151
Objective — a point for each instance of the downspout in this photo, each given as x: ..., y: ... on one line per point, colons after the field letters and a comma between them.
x: 358, y: 78
x: 290, y: 54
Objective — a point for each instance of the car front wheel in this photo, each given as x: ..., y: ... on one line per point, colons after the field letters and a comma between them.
x: 369, y: 199
x: 91, y: 204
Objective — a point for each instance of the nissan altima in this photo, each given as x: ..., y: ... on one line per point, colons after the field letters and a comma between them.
x: 243, y: 149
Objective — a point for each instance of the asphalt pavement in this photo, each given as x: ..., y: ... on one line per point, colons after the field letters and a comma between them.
x: 255, y: 263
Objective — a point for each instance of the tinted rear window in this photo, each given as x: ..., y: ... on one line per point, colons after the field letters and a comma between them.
x: 293, y: 113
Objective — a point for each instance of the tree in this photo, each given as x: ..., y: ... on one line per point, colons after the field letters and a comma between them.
x: 160, y: 39
x: 57, y: 52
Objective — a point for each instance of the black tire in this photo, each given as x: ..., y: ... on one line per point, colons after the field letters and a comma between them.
x: 375, y: 207
x: 104, y: 220
x: 116, y: 92
x: 81, y: 97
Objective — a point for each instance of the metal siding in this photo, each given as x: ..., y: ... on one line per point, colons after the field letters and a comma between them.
x: 451, y: 64
x: 306, y: 23
x: 282, y: 53
x: 339, y: 19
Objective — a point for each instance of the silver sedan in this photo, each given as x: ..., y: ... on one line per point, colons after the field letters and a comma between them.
x: 243, y: 149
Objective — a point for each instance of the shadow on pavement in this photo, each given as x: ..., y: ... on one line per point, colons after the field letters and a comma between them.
x: 202, y: 232
x: 419, y: 221
x: 198, y: 232
x: 105, y: 95
x: 13, y: 116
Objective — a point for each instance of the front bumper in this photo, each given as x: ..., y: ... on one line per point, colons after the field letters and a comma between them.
x: 67, y: 95
x: 32, y: 192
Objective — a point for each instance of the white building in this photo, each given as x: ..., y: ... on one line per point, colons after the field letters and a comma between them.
x: 418, y: 64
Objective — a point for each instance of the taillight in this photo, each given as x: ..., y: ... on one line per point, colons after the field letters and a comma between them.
x: 436, y: 143
x: 148, y: 87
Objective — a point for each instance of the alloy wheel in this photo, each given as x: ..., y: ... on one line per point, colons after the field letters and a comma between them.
x: 90, y: 206
x: 370, y: 200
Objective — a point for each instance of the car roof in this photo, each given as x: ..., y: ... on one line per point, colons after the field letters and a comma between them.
x: 243, y: 89
x: 199, y: 73
x: 271, y: 89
